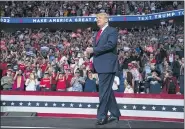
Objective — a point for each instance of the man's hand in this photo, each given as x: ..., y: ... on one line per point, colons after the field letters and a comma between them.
x: 89, y: 50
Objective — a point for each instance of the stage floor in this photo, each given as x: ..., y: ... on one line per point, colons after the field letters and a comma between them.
x: 69, y: 123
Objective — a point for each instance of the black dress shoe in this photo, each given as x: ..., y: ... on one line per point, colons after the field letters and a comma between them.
x: 112, y: 118
x: 101, y: 122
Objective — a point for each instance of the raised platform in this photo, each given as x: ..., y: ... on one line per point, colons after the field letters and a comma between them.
x: 84, y: 105
x: 64, y: 123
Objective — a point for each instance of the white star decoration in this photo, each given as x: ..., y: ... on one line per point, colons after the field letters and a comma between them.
x: 144, y: 107
x: 63, y: 105
x: 174, y: 108
x: 89, y: 105
x: 20, y: 103
x: 29, y: 104
x: 80, y: 105
x: 97, y: 105
x: 37, y: 104
x: 54, y: 104
x: 134, y: 107
x: 153, y: 108
x: 71, y: 105
x: 163, y: 108
x: 124, y: 106
x: 46, y: 104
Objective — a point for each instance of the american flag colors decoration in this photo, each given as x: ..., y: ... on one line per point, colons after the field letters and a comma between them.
x: 142, y: 106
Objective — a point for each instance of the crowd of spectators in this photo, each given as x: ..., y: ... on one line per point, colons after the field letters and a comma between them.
x: 151, y: 60
x: 84, y: 8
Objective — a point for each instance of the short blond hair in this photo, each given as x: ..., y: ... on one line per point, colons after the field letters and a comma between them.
x: 105, y: 15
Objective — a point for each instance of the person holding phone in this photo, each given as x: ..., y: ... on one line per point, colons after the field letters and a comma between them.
x: 19, y: 80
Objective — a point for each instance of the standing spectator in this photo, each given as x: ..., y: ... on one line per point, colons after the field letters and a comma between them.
x: 7, y: 81
x: 61, y: 82
x: 19, y: 80
x: 77, y: 81
x: 171, y: 58
x: 45, y: 83
x: 136, y: 75
x: 69, y: 77
x: 43, y: 65
x: 176, y: 67
x: 129, y: 83
x: 90, y: 83
x: 31, y: 83
x: 53, y: 80
x: 170, y: 84
x: 159, y: 60
x: 154, y: 83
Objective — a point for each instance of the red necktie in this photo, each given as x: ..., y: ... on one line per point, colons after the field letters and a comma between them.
x: 98, y: 35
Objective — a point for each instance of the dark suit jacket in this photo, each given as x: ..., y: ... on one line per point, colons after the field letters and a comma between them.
x: 105, y: 58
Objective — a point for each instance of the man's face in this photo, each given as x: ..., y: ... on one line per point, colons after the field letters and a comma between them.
x: 101, y: 20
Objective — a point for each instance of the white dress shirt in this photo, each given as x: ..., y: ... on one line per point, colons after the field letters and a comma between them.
x: 104, y: 28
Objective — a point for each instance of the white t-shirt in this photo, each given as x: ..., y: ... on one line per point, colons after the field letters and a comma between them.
x: 116, y: 83
x: 31, y: 85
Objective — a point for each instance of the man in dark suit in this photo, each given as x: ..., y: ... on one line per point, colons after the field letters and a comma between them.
x: 105, y: 61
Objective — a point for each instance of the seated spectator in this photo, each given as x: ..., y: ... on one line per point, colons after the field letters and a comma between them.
x: 31, y: 83
x: 61, y: 84
x: 170, y: 85
x: 90, y: 83
x: 45, y: 83
x: 7, y: 81
x: 19, y: 80
x: 129, y: 83
x: 154, y: 83
x: 77, y: 82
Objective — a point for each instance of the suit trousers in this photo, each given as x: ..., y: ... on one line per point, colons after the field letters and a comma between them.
x: 107, y: 101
